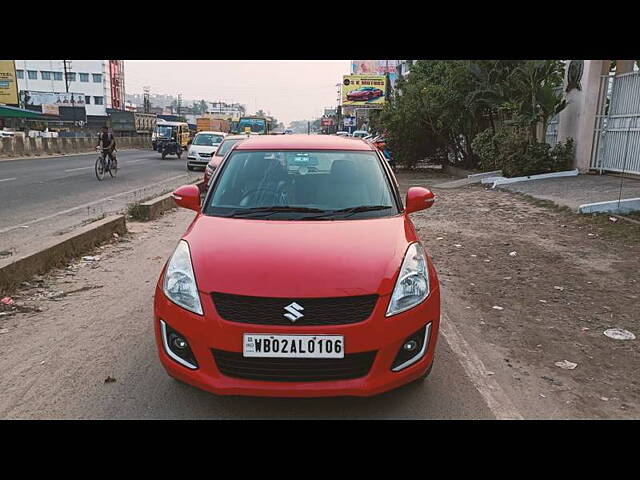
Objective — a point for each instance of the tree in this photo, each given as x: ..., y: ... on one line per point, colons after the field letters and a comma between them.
x: 535, y: 96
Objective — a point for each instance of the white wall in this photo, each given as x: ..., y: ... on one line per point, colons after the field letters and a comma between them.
x: 89, y: 88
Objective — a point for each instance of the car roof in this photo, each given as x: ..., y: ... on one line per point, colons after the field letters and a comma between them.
x: 235, y: 137
x: 303, y: 142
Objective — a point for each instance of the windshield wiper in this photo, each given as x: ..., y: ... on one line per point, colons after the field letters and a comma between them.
x: 350, y: 211
x: 264, y: 211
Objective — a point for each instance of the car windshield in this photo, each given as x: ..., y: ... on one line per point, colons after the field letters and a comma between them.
x: 208, y: 139
x: 257, y: 125
x: 165, y: 131
x: 301, y: 185
x: 226, y: 146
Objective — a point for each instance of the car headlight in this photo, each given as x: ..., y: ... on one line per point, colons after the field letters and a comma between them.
x: 180, y: 282
x: 412, y: 286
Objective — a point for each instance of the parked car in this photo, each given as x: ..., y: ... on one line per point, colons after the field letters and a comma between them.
x: 222, y: 150
x: 360, y: 134
x: 364, y: 94
x: 202, y: 149
x: 343, y: 134
x: 301, y: 275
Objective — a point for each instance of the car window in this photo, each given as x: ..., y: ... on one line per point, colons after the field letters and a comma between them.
x: 207, y: 139
x: 313, y: 182
x: 226, y: 146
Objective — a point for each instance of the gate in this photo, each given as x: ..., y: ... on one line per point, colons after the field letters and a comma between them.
x: 616, y: 144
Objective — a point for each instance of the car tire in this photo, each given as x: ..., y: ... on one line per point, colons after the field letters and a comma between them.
x: 190, y: 168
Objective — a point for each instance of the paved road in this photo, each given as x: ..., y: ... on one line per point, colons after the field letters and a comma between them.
x: 52, y: 194
x: 55, y: 361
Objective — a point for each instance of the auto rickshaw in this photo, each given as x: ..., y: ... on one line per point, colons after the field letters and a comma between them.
x: 171, y: 138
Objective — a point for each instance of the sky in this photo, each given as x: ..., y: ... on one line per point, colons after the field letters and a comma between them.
x: 288, y: 90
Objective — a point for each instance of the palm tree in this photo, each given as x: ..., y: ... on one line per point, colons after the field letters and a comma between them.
x: 535, y: 95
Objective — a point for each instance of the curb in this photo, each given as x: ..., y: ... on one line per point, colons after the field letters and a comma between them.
x: 154, y: 208
x: 56, y: 253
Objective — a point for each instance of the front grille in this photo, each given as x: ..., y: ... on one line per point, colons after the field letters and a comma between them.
x: 206, y: 155
x: 353, y: 365
x: 271, y: 311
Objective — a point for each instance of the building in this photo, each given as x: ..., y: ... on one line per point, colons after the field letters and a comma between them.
x: 93, y: 85
x: 225, y: 111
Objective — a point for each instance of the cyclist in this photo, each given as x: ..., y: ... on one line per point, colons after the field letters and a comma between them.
x: 108, y: 144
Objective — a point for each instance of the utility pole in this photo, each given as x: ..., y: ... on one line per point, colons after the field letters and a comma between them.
x: 179, y: 103
x: 145, y: 99
x: 66, y: 84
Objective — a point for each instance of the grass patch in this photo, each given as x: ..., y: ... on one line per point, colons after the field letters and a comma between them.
x: 135, y: 211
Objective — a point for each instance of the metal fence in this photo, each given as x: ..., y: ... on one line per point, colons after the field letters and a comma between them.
x: 616, y: 144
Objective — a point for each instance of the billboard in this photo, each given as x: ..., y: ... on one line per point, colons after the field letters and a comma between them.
x: 349, y: 121
x: 31, y: 98
x: 376, y: 67
x: 364, y: 91
x: 8, y: 83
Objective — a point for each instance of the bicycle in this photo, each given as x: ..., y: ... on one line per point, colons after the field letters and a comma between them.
x: 102, y: 167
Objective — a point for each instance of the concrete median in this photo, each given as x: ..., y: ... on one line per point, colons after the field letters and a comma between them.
x: 152, y: 209
x: 13, y: 271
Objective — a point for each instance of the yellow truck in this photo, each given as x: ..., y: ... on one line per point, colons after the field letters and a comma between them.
x: 208, y: 124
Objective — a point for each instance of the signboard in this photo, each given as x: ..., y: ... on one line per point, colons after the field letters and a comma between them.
x: 364, y: 91
x: 329, y: 112
x: 326, y: 122
x: 376, y: 67
x: 349, y: 121
x: 31, y: 98
x: 48, y: 109
x: 8, y: 83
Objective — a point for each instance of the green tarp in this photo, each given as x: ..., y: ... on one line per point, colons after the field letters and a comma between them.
x: 14, y: 112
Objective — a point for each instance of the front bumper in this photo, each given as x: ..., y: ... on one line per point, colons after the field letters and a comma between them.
x: 377, y: 333
x: 198, y: 162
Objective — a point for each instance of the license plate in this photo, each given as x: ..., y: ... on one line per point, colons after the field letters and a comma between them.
x: 293, y: 346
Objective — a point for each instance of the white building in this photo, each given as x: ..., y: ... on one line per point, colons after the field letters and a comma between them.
x: 98, y: 84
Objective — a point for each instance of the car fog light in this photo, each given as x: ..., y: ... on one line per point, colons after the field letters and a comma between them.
x: 179, y: 342
x: 177, y: 347
x: 413, y: 349
x: 410, y: 346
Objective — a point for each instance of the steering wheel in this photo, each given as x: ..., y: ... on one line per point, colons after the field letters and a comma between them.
x: 255, y: 191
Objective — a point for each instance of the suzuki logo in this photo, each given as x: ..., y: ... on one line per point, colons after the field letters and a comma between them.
x: 294, y: 310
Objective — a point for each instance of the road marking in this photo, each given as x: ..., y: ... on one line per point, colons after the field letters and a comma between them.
x: 7, y: 179
x: 102, y: 200
x: 497, y: 400
x: 80, y: 168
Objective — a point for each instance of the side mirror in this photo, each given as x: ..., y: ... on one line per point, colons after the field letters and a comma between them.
x: 187, y: 196
x: 419, y: 198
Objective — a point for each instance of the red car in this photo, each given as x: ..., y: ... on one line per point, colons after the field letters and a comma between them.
x: 226, y: 145
x: 301, y: 275
x: 364, y: 94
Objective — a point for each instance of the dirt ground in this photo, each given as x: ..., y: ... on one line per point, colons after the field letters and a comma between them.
x: 572, y: 277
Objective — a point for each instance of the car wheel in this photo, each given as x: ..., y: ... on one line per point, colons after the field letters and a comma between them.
x: 190, y: 168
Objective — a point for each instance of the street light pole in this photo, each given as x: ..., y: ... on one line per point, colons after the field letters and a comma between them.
x: 66, y: 84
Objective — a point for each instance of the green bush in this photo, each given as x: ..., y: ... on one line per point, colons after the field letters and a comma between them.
x: 510, y: 151
x: 485, y: 150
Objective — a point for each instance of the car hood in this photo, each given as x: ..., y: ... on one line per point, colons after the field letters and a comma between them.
x: 203, y: 148
x: 272, y: 258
